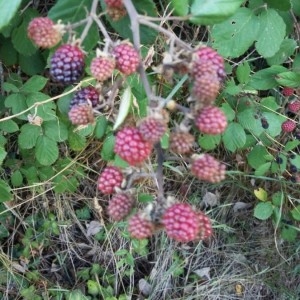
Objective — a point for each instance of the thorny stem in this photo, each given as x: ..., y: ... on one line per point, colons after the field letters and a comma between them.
x: 90, y: 20
x: 159, y: 172
x: 102, y: 28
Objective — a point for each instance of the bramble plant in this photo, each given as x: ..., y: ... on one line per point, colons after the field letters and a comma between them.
x: 104, y: 101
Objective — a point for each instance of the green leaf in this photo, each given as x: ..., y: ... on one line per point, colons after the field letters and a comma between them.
x: 290, y: 145
x: 107, y: 151
x: 63, y: 102
x: 256, y: 157
x: 8, y: 53
x: 209, y: 142
x: 3, y: 154
x: 296, y: 7
x: 289, y: 234
x: 46, y: 151
x: 290, y: 79
x: 269, y: 104
x: 295, y: 161
x: 32, y: 64
x: 46, y: 111
x: 243, y: 72
x: 208, y: 12
x: 250, y: 121
x: 274, y: 120
x: 28, y: 136
x: 296, y: 213
x: 19, y: 36
x: 9, y: 87
x: 72, y: 11
x: 234, y: 137
x: 229, y: 112
x: 277, y: 198
x: 7, y: 11
x: 17, y: 103
x: 123, y: 26
x: 266, y: 79
x: 76, y: 141
x: 126, y: 100
x: 262, y: 169
x: 9, y: 126
x: 287, y: 48
x: 271, y: 32
x: 181, y: 7
x: 234, y: 37
x: 281, y: 5
x: 5, y: 191
x: 263, y: 210
x: 34, y: 84
x: 55, y: 130
x: 101, y: 126
x: 16, y: 178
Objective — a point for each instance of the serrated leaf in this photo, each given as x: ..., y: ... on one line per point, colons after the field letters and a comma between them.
x: 289, y: 234
x: 229, y: 112
x: 34, y: 84
x: 107, y: 151
x: 125, y: 103
x: 5, y: 191
x: 234, y: 37
x: 8, y: 53
x: 250, y: 122
x: 256, y: 157
x: 290, y: 145
x: 19, y: 36
x: 181, y: 7
x: 7, y: 11
x: 274, y: 120
x: 263, y: 169
x: 271, y: 32
x: 234, y: 137
x: 277, y: 198
x: 290, y: 79
x: 287, y: 48
x: 269, y: 103
x: 243, y: 72
x: 261, y: 194
x: 28, y: 136
x: 3, y: 154
x: 46, y: 151
x: 296, y: 7
x: 208, y: 12
x: 16, y: 178
x: 263, y: 210
x: 9, y: 87
x: 46, y: 111
x: 209, y: 142
x: 9, y: 126
x: 281, y: 5
x: 295, y: 161
x: 101, y: 126
x: 55, y: 130
x: 266, y: 79
x: 74, y: 11
x: 76, y: 141
x: 296, y: 213
x: 17, y: 103
x: 32, y: 64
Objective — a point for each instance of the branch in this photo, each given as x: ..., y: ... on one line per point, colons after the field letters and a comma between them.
x: 90, y: 20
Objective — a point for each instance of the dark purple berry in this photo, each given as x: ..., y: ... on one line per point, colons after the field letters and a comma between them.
x: 293, y: 169
x: 85, y: 94
x: 67, y: 64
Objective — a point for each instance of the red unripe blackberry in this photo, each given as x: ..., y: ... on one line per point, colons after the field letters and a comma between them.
x: 109, y: 179
x: 152, y: 129
x: 119, y: 206
x: 81, y: 115
x: 294, y: 106
x: 181, y: 142
x: 211, y: 120
x: 139, y: 227
x: 127, y: 58
x: 67, y: 64
x: 84, y: 95
x: 43, y: 33
x: 206, y: 88
x: 102, y: 67
x: 181, y: 222
x: 287, y: 91
x: 288, y: 126
x: 205, y: 226
x: 114, y: 3
x: 131, y: 146
x: 205, y: 167
x: 206, y: 59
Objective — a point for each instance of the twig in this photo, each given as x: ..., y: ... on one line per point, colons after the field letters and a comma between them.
x: 159, y: 173
x: 90, y: 20
x: 102, y: 28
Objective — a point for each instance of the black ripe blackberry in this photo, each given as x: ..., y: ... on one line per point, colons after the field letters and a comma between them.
x: 279, y: 160
x: 293, y: 169
x: 67, y: 64
x: 82, y: 96
x: 264, y: 123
